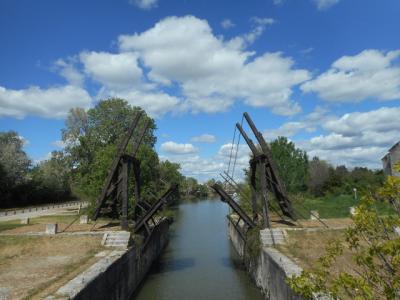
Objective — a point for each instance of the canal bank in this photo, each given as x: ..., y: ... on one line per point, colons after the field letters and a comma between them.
x: 199, y: 261
x: 269, y: 268
x: 119, y: 272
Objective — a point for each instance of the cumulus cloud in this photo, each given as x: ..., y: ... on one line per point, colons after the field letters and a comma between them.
x: 204, y: 168
x: 204, y: 138
x: 154, y: 102
x: 325, y: 4
x: 227, y: 23
x: 53, y: 102
x: 144, y: 4
x: 370, y: 74
x: 112, y: 70
x: 175, y: 148
x: 309, y: 124
x: 67, y: 70
x: 358, y: 138
x: 213, y: 73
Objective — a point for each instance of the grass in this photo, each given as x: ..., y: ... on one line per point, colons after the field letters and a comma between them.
x: 333, y: 206
x: 8, y: 225
x: 12, y: 224
x: 306, y: 247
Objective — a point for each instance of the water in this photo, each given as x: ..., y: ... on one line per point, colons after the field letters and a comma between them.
x: 199, y: 262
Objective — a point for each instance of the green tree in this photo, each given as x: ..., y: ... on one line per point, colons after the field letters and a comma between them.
x: 292, y: 164
x: 92, y: 139
x: 51, y: 178
x: 318, y: 175
x: 13, y: 158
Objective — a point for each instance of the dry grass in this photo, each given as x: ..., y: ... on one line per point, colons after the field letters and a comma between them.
x: 39, y: 265
x: 306, y: 247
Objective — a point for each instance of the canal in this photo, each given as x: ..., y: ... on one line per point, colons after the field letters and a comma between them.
x: 199, y: 261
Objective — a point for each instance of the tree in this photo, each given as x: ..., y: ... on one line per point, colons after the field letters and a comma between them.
x: 51, y: 178
x: 292, y: 163
x: 92, y: 138
x: 13, y: 158
x: 14, y: 167
x: 318, y: 175
x: 375, y: 246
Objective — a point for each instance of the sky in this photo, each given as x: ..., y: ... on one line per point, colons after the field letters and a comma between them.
x: 324, y: 73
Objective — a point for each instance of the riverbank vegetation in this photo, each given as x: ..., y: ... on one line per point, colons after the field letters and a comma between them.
x: 373, y: 246
x: 90, y: 138
x: 317, y: 185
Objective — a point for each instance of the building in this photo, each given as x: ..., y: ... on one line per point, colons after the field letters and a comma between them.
x: 390, y: 159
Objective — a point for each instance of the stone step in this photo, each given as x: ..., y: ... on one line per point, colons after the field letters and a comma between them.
x: 116, y: 239
x: 272, y: 236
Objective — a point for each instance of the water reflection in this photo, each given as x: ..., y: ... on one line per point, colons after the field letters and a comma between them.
x: 199, y: 262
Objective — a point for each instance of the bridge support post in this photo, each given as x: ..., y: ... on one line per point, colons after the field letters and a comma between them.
x: 124, y: 194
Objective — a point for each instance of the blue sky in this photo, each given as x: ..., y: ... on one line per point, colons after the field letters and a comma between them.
x: 324, y: 73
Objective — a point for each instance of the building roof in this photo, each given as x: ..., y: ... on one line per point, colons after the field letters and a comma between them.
x: 394, y: 146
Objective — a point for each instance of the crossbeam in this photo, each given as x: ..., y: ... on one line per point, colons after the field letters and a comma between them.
x: 148, y: 214
x: 232, y: 203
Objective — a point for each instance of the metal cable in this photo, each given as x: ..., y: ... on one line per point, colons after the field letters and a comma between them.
x: 237, y: 150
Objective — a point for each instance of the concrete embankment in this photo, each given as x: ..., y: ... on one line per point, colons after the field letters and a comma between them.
x: 269, y: 269
x: 118, y: 274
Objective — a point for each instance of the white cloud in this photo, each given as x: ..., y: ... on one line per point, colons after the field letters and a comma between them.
x: 54, y: 102
x: 175, y: 148
x: 113, y: 70
x: 358, y: 138
x: 67, y: 70
x: 227, y: 23
x: 24, y: 141
x: 259, y: 26
x: 144, y: 4
x: 369, y: 74
x: 325, y: 4
x: 213, y: 73
x: 59, y: 144
x: 277, y: 2
x: 204, y: 138
x: 309, y: 124
x: 155, y: 103
x: 43, y: 158
x: 204, y: 168
x: 381, y: 120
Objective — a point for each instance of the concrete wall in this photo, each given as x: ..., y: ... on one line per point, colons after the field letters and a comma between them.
x: 269, y: 270
x: 117, y: 275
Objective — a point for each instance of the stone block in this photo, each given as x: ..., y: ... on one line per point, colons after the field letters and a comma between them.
x: 84, y: 219
x: 314, y: 215
x: 25, y: 221
x: 397, y: 230
x: 51, y: 228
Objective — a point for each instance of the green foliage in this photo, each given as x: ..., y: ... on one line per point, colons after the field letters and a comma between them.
x: 51, y: 178
x: 92, y: 138
x: 375, y: 248
x: 22, y: 185
x: 292, y: 164
x: 253, y: 242
x: 13, y: 160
